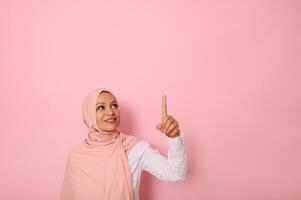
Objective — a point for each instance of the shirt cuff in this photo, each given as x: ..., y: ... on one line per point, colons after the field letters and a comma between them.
x: 176, y: 142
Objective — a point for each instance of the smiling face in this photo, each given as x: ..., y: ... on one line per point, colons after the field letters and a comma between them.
x: 107, y: 112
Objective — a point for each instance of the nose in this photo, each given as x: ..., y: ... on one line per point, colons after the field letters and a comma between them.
x: 110, y: 112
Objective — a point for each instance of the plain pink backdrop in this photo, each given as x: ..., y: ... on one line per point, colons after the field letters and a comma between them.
x: 230, y: 70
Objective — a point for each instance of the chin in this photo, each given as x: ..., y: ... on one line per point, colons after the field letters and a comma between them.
x: 111, y: 128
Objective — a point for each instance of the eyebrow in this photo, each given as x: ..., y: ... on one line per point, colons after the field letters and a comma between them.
x: 105, y: 103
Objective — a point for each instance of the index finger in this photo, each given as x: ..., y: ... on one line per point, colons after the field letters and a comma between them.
x: 164, y: 106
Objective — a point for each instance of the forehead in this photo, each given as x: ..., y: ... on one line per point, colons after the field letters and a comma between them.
x: 105, y: 97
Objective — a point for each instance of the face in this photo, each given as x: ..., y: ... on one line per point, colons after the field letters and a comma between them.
x: 107, y: 112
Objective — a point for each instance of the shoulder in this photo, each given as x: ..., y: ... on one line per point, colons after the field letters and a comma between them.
x: 77, y: 148
x: 138, y: 149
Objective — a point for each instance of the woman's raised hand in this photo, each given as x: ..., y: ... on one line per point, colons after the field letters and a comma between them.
x: 169, y: 125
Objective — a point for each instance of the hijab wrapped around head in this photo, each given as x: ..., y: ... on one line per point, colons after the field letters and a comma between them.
x: 97, y: 168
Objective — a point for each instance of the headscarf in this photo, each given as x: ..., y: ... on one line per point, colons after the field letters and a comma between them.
x: 97, y: 168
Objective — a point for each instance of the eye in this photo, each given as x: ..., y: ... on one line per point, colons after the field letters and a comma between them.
x: 115, y: 105
x: 100, y: 107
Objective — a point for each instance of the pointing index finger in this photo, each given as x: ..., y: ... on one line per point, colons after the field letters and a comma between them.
x: 164, y: 106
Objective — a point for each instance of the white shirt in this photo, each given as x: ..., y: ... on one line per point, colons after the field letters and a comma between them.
x: 143, y: 157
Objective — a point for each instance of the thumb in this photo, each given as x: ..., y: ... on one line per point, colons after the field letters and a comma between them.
x: 159, y: 126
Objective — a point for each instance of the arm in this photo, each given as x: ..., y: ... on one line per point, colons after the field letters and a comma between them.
x: 172, y: 168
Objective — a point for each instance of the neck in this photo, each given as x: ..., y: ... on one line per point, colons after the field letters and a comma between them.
x: 102, y: 135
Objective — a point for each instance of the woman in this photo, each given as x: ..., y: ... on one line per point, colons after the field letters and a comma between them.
x: 107, y: 164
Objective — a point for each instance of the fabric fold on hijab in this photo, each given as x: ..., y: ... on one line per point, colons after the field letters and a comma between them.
x: 97, y: 168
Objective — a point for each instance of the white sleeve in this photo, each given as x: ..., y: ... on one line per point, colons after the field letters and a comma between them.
x: 172, y: 168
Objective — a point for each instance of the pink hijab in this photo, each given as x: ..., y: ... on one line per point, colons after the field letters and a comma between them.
x: 97, y: 168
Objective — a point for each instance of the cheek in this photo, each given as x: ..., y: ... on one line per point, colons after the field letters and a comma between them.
x: 99, y: 117
x: 117, y: 112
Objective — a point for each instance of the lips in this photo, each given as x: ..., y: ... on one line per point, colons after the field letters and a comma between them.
x: 111, y: 119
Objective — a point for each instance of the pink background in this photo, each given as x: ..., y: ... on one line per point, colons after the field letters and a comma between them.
x: 230, y: 70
